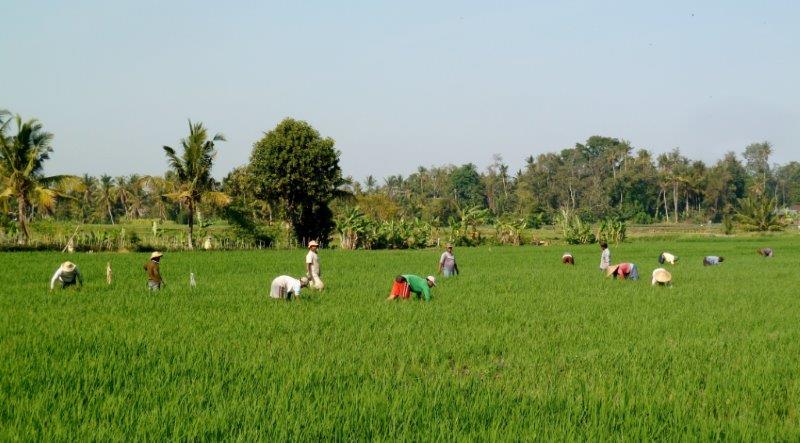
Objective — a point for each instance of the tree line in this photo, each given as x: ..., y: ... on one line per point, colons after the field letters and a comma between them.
x: 293, y: 178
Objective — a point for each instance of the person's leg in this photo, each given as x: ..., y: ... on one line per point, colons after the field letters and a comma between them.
x: 317, y: 282
x: 397, y: 288
x: 275, y: 291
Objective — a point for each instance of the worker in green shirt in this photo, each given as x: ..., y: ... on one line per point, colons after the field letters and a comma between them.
x: 404, y: 285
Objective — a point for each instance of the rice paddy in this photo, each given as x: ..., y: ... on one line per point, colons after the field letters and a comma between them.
x: 517, y: 347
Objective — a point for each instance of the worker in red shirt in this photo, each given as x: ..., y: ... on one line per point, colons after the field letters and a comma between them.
x: 626, y: 271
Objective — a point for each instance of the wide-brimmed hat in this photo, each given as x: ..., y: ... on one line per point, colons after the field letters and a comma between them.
x: 448, y: 246
x: 431, y: 279
x: 313, y: 243
x: 303, y: 281
x: 155, y: 254
x: 68, y: 266
x: 661, y: 275
x: 611, y: 270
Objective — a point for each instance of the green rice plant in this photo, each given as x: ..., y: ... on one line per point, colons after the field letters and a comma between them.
x: 517, y: 347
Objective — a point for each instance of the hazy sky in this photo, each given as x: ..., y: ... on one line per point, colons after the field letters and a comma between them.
x: 404, y: 83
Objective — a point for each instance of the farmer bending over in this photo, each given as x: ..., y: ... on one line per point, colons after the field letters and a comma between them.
x: 668, y: 258
x: 625, y: 271
x: 405, y: 284
x: 568, y: 259
x: 285, y: 287
x: 765, y: 252
x: 662, y: 277
x: 68, y: 274
x: 712, y: 260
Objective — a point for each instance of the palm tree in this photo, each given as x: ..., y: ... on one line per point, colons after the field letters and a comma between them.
x: 758, y: 214
x: 106, y: 196
x: 156, y: 189
x: 22, y: 156
x: 87, y: 197
x: 193, y: 172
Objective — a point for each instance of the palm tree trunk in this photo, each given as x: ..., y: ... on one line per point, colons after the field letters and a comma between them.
x: 190, y: 208
x: 675, y: 200
x: 110, y: 215
x: 22, y: 220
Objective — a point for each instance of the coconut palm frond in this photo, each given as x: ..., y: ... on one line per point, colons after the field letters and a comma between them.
x: 216, y: 198
x: 44, y: 197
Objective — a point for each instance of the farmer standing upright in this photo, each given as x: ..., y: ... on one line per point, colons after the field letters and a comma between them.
x: 605, y: 256
x: 312, y: 267
x: 447, y: 262
x: 153, y: 268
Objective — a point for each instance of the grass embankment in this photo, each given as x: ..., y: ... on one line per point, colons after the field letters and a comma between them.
x: 517, y: 346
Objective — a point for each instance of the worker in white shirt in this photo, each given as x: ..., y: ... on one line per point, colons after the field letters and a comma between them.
x: 286, y: 288
x: 312, y: 267
x: 68, y: 274
x: 668, y: 258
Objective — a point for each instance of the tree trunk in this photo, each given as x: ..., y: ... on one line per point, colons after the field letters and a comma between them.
x: 666, y: 205
x: 190, y: 208
x: 110, y: 215
x: 675, y: 200
x: 22, y: 220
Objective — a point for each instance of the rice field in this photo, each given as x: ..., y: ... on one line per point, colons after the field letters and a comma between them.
x: 518, y: 347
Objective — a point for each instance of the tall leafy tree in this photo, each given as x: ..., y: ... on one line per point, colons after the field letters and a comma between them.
x: 22, y: 157
x: 467, y: 187
x: 756, y: 156
x: 193, y: 173
x: 296, y: 169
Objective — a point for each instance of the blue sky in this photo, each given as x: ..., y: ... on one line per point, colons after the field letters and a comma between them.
x: 402, y: 84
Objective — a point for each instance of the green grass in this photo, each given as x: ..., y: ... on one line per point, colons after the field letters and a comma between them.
x: 517, y: 347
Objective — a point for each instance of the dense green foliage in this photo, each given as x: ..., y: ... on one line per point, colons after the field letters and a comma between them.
x: 296, y: 170
x: 517, y: 347
x: 293, y: 182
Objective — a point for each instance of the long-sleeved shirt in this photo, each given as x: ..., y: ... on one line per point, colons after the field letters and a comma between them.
x: 153, y: 271
x: 605, y: 259
x: 66, y: 277
x: 419, y: 286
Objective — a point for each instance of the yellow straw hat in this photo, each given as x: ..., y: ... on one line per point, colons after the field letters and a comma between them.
x: 67, y: 266
x: 661, y: 275
x: 611, y: 270
x: 155, y: 254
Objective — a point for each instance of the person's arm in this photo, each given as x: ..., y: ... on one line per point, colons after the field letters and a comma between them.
x: 55, y: 277
x: 426, y: 292
x: 441, y: 264
x: 296, y: 289
x: 455, y: 266
x: 308, y: 265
